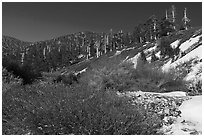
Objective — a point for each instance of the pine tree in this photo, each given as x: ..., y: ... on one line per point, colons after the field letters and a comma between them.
x: 165, y: 27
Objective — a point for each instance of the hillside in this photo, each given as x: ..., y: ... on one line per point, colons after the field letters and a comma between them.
x: 139, y: 88
x: 189, y: 44
x: 57, y: 52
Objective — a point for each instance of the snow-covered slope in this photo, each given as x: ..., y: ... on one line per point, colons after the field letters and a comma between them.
x: 194, y: 54
x: 187, y: 44
x: 134, y: 60
x: 190, y: 122
x: 196, y: 73
x: 175, y: 44
x: 192, y: 49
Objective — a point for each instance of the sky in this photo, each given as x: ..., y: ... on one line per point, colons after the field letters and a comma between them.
x: 36, y: 21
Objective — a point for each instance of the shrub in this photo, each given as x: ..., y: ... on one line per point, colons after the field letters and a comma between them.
x: 146, y: 77
x: 114, y: 77
x: 194, y: 84
x: 153, y: 79
x: 58, y: 109
x: 25, y: 72
x: 8, y: 77
x: 68, y: 79
x: 9, y: 80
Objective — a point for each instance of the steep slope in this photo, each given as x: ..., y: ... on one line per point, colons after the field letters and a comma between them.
x: 190, y: 58
x: 189, y: 44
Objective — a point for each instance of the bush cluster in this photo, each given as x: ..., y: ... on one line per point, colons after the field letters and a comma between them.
x: 67, y: 79
x: 193, y: 86
x: 9, y: 80
x: 113, y: 77
x: 8, y: 77
x: 58, y: 109
x: 145, y: 77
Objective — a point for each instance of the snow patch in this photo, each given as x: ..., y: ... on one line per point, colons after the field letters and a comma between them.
x: 148, y: 58
x: 190, y: 120
x: 169, y: 94
x: 187, y: 44
x: 81, y: 56
x: 193, y: 54
x: 125, y: 59
x: 196, y: 53
x: 195, y: 74
x: 117, y: 53
x: 134, y: 60
x: 175, y: 44
x: 79, y: 72
x: 150, y: 49
x: 191, y: 110
x: 158, y: 54
x: 167, y: 66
